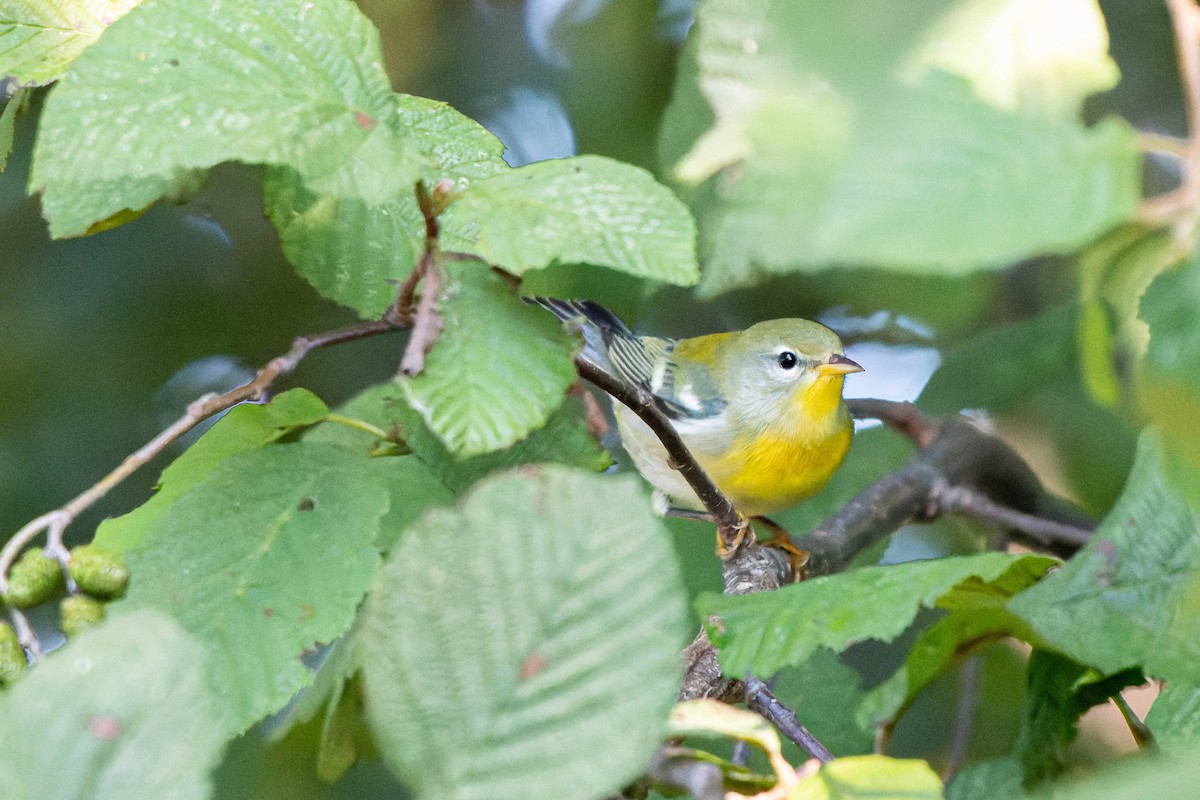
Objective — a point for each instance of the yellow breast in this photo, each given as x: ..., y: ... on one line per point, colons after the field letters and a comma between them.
x: 761, y: 468
x: 771, y: 472
x: 791, y: 459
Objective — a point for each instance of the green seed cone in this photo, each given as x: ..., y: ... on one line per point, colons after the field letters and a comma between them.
x: 34, y: 579
x: 12, y: 656
x: 79, y: 612
x: 98, y: 572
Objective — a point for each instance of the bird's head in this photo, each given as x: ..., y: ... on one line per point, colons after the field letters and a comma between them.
x: 789, y: 366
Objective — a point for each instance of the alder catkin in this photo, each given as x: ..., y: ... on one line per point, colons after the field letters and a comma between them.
x: 34, y: 579
x: 98, y: 572
x: 79, y: 612
x: 12, y: 656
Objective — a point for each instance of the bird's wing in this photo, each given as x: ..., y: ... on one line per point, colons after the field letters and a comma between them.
x: 642, y: 361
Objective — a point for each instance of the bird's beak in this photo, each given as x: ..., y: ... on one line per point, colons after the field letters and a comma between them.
x: 838, y: 364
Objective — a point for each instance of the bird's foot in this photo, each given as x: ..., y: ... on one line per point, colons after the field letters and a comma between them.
x: 782, y: 540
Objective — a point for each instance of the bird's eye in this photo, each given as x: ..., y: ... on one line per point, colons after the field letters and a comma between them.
x: 788, y: 359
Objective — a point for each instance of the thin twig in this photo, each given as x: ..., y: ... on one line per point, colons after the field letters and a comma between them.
x: 427, y: 320
x: 25, y: 634
x: 760, y: 698
x: 972, y: 502
x: 901, y: 417
x: 54, y: 523
x: 427, y: 323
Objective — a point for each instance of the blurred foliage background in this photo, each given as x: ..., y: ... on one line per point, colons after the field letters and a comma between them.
x: 109, y: 336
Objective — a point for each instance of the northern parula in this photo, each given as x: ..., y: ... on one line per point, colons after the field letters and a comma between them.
x: 760, y: 410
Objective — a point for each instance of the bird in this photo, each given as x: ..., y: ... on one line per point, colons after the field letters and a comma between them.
x: 760, y: 410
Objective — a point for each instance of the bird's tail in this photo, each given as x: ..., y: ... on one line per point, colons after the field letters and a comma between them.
x: 598, y: 325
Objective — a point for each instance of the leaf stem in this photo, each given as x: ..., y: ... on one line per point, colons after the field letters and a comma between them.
x: 360, y: 425
x: 1143, y: 737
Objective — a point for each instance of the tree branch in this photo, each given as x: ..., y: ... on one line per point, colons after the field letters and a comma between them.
x: 904, y: 418
x: 960, y: 470
x: 760, y: 698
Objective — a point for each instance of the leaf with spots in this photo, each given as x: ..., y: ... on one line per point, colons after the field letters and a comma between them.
x: 356, y: 251
x: 266, y: 556
x: 123, y: 711
x: 38, y: 41
x: 1131, y: 598
x: 245, y: 427
x: 526, y: 644
x: 172, y: 88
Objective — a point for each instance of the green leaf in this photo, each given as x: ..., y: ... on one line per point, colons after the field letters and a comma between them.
x: 1169, y: 389
x: 1030, y: 370
x: 169, y: 90
x: 1113, y: 276
x: 584, y: 209
x: 764, y: 632
x: 978, y: 614
x: 356, y: 252
x: 335, y: 696
x: 1131, y: 597
x: 564, y: 439
x: 526, y: 644
x: 498, y: 370
x: 39, y: 40
x: 993, y: 187
x: 1175, y: 717
x: 8, y: 121
x: 712, y: 719
x: 1003, y: 365
x: 1060, y: 691
x: 123, y: 711
x: 833, y: 145
x: 269, y: 554
x: 413, y: 488
x: 1174, y: 778
x: 1173, y: 351
x: 986, y: 780
x: 876, y: 777
x: 246, y: 427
